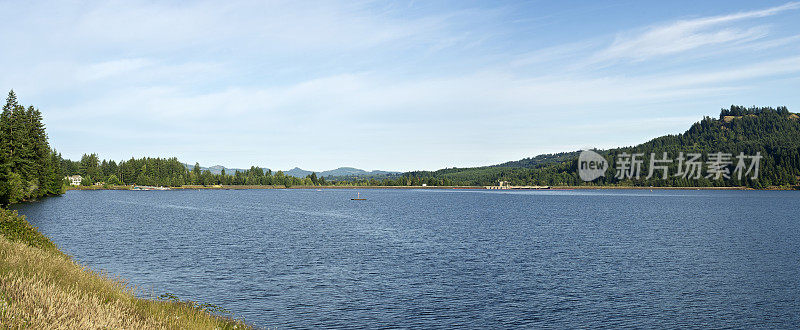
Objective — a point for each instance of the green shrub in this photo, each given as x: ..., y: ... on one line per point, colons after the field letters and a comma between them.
x: 14, y: 227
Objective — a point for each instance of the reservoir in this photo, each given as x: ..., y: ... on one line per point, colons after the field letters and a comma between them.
x: 297, y: 258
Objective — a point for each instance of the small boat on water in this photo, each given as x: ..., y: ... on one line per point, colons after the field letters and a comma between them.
x: 358, y: 198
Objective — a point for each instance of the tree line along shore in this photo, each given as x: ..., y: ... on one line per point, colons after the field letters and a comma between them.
x: 771, y: 133
x: 353, y: 187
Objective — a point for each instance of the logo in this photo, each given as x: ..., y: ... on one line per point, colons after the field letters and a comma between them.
x: 591, y: 165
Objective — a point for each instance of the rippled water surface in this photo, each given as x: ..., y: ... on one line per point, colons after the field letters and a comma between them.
x: 445, y: 258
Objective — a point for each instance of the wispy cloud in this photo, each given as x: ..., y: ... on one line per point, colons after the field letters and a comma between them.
x: 368, y: 84
x: 685, y: 35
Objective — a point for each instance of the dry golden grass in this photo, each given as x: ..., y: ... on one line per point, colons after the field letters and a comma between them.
x: 45, y: 289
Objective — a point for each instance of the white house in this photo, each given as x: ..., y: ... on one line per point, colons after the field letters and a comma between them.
x: 74, y: 180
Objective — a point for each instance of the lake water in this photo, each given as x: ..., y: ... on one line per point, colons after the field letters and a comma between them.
x: 449, y: 258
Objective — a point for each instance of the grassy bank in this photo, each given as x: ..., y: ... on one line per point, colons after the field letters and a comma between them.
x: 43, y: 288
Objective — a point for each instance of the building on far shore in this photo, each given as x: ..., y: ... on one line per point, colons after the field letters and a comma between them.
x: 74, y: 180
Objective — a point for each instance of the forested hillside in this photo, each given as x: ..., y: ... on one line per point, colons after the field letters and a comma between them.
x: 541, y: 160
x: 29, y: 169
x: 772, y: 133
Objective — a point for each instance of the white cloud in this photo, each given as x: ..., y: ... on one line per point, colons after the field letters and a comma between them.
x: 327, y: 84
x: 685, y: 35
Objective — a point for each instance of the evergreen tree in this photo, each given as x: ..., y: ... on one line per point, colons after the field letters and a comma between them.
x: 29, y: 169
x: 113, y: 180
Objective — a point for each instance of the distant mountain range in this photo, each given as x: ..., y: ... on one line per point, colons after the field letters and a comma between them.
x: 216, y: 169
x: 341, y: 172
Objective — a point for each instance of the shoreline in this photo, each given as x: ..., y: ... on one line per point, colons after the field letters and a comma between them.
x: 248, y: 187
x: 42, y: 286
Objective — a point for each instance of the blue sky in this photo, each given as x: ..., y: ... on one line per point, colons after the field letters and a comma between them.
x: 388, y: 85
